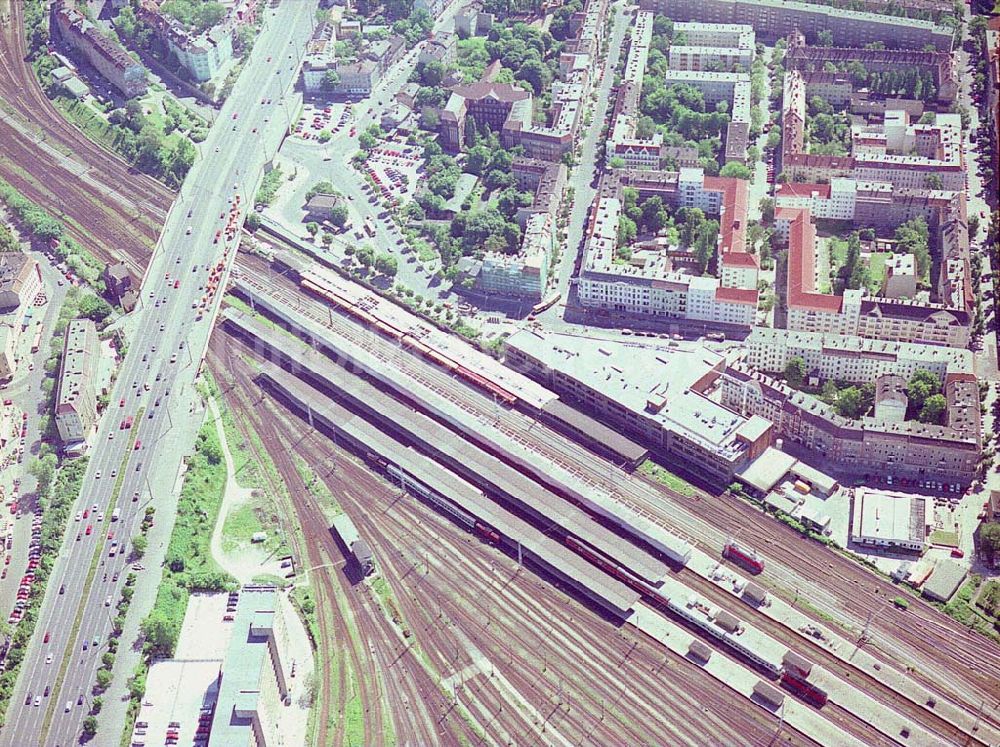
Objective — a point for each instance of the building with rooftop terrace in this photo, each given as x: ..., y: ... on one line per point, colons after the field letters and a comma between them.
x: 663, y: 396
x: 76, y: 398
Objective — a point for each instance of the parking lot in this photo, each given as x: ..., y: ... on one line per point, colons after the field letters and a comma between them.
x: 316, y: 118
x: 395, y: 170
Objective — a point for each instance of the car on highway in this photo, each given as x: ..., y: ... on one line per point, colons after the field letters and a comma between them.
x: 98, y: 475
x: 48, y: 635
x: 38, y: 701
x: 48, y: 659
x: 90, y: 529
x: 79, y: 516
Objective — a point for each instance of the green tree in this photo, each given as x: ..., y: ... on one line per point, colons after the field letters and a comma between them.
x: 735, y: 170
x: 338, y: 215
x: 922, y: 385
x: 90, y: 726
x: 160, y: 632
x: 989, y: 537
x: 366, y: 256
x: 795, y: 372
x: 933, y: 409
x: 849, y: 403
x: 386, y: 264
x: 253, y: 220
x: 331, y: 80
x: 312, y: 227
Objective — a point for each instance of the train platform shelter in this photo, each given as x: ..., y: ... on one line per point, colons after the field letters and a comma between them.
x: 469, y: 460
x: 552, y: 555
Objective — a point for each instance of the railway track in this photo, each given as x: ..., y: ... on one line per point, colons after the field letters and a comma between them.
x: 519, y: 642
x: 816, y: 653
x: 584, y: 657
x: 90, y: 204
x: 333, y: 587
x: 796, y: 552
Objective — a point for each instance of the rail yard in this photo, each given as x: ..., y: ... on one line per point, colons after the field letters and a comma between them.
x: 554, y: 384
x: 937, y: 726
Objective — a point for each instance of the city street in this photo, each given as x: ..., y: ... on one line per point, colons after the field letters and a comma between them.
x: 154, y: 387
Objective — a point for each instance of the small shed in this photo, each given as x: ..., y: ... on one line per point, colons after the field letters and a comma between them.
x: 797, y: 663
x: 699, y: 650
x: 768, y: 693
x: 754, y: 594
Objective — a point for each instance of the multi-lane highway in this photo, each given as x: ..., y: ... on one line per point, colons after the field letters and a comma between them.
x: 131, y: 468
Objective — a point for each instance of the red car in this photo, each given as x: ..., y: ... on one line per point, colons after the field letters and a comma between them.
x: 90, y: 528
x: 177, y: 284
x: 121, y: 403
x: 138, y: 444
x: 957, y: 553
x: 47, y: 636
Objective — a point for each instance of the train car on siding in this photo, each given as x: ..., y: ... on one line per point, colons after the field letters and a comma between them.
x: 743, y: 556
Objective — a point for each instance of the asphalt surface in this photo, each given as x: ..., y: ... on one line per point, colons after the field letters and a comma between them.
x: 155, y: 388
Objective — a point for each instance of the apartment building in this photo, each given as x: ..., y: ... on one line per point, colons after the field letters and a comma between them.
x: 941, y: 64
x: 664, y: 396
x: 622, y: 142
x: 525, y: 274
x: 106, y: 56
x: 867, y: 447
x: 653, y: 283
x: 487, y: 104
x: 712, y: 46
x: 76, y: 398
x: 774, y: 19
x: 893, y: 150
x: 20, y: 282
x: 835, y: 357
x: 203, y: 55
x: 852, y: 313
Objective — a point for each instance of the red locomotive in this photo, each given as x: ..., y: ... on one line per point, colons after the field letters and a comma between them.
x: 743, y: 556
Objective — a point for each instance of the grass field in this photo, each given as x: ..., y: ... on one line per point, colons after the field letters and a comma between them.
x: 667, y: 478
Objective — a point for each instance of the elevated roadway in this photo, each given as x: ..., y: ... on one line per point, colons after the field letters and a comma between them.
x: 154, y: 387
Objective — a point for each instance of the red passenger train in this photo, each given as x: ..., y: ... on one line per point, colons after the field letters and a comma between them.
x: 801, y: 688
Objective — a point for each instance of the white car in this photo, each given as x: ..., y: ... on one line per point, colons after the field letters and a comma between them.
x: 48, y: 659
x: 107, y: 601
x: 79, y: 516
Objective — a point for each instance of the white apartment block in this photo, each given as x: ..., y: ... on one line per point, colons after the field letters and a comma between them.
x: 622, y: 141
x: 76, y: 399
x: 834, y: 357
x: 733, y: 88
x: 710, y: 46
x: 204, y: 56
x: 526, y: 273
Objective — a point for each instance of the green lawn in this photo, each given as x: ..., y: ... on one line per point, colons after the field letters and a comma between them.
x: 943, y: 537
x: 876, y: 267
x: 667, y: 478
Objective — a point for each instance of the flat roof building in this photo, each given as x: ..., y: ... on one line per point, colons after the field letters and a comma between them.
x: 254, y: 687
x: 889, y: 520
x: 662, y: 395
x: 76, y: 399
